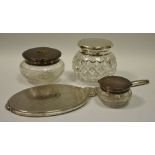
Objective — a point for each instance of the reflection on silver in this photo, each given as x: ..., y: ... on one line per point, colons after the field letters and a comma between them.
x: 48, y: 100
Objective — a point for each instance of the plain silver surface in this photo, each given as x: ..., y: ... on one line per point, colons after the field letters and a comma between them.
x: 135, y: 55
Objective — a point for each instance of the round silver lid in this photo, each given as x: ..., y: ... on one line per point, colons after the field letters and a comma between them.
x: 41, y: 56
x: 115, y: 84
x: 95, y: 43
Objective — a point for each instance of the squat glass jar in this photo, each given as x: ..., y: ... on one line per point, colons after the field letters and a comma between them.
x: 94, y: 60
x: 114, y: 100
x: 115, y: 92
x: 42, y: 65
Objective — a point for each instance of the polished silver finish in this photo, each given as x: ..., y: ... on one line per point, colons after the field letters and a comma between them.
x: 92, y: 91
x: 48, y: 100
x: 95, y: 44
x: 118, y: 84
x: 41, y: 56
x: 139, y: 83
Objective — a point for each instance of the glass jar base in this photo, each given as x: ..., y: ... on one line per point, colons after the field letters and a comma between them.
x: 92, y: 68
x: 114, y: 100
x: 42, y: 74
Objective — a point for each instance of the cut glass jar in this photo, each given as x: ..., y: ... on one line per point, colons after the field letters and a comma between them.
x: 94, y: 60
x: 42, y: 65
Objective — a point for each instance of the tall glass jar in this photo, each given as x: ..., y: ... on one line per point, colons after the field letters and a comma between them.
x: 42, y: 65
x: 94, y: 60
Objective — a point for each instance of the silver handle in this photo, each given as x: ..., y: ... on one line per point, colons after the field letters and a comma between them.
x: 139, y: 82
x: 92, y: 91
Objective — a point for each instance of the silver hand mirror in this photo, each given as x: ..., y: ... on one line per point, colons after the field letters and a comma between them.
x: 48, y: 100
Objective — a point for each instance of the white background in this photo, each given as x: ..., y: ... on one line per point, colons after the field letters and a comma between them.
x: 77, y: 16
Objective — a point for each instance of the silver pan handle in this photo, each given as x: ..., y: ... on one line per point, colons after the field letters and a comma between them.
x: 139, y: 82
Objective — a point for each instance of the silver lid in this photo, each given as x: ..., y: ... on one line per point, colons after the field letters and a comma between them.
x: 95, y: 43
x: 41, y: 56
x: 118, y: 84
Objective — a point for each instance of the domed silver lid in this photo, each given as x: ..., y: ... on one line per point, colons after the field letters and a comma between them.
x: 118, y: 84
x: 95, y: 43
x: 115, y: 84
x: 41, y: 56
